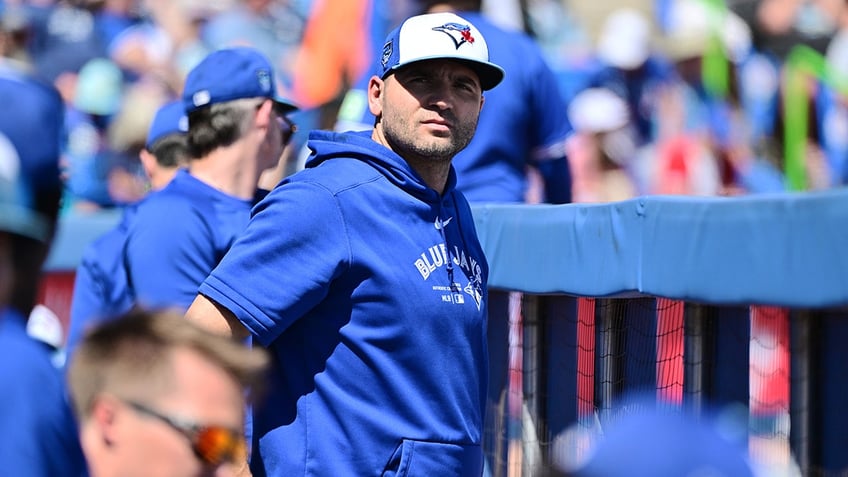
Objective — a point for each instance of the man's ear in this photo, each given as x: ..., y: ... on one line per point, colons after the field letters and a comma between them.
x: 376, y: 88
x: 148, y: 162
x: 264, y: 114
x: 104, y: 417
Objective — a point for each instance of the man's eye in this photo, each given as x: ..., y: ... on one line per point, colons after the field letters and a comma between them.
x: 466, y: 86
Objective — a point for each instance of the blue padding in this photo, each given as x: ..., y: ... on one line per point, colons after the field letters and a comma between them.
x: 785, y: 249
x: 74, y: 232
x: 580, y: 250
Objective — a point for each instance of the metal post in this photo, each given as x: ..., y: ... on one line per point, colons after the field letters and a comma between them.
x: 801, y: 385
x: 609, y: 355
x: 698, y: 334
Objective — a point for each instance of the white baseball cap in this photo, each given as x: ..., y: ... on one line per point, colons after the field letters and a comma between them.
x: 440, y: 36
x: 625, y: 40
x: 598, y: 110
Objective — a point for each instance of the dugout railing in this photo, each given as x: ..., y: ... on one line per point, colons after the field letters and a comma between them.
x: 710, y: 304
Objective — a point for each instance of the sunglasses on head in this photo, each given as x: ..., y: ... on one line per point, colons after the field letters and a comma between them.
x: 214, y: 445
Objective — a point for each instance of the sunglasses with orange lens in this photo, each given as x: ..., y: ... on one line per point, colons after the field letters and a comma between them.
x: 214, y: 445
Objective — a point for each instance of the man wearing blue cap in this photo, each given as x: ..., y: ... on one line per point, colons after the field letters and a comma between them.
x: 237, y: 129
x: 101, y: 290
x: 37, y: 431
x: 364, y: 276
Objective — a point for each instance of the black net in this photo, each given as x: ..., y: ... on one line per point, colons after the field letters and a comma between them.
x: 572, y: 365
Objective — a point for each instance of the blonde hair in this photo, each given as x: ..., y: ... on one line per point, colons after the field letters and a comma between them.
x: 131, y: 356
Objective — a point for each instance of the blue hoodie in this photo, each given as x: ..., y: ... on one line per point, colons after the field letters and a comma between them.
x: 345, y: 273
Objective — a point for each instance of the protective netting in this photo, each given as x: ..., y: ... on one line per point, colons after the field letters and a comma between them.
x: 572, y: 362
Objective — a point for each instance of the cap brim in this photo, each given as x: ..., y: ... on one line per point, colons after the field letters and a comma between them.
x: 490, y: 74
x: 283, y: 106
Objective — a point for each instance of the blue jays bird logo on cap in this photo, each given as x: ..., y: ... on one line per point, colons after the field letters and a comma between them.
x: 420, y: 38
x: 458, y: 32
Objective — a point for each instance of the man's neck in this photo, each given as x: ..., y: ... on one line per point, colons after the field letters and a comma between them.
x: 433, y: 172
x: 228, y: 170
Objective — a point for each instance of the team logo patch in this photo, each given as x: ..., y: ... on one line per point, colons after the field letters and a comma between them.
x: 387, y: 53
x: 458, y: 32
x: 264, y: 78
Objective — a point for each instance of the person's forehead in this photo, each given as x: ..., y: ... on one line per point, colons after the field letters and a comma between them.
x: 455, y: 67
x: 205, y: 385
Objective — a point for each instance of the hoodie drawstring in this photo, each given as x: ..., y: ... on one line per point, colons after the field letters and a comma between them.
x: 442, y: 224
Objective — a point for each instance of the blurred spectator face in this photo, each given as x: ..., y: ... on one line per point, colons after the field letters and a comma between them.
x: 135, y: 438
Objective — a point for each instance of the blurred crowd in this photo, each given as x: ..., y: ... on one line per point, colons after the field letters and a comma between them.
x: 704, y: 97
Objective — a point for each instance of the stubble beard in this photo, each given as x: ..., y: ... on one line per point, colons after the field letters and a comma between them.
x: 400, y: 134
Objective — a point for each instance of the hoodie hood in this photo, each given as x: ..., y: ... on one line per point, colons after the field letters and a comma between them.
x: 358, y: 145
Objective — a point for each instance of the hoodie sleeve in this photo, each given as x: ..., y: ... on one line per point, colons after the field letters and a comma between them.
x: 294, y: 246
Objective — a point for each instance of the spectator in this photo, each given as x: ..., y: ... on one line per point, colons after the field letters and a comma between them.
x: 275, y: 28
x: 630, y: 67
x: 64, y: 38
x: 156, y: 396
x: 777, y: 26
x: 127, y: 136
x: 37, y: 432
x: 237, y: 129
x: 604, y: 147
x: 101, y: 290
x: 164, y: 46
x: 97, y: 95
x: 15, y: 34
x: 356, y: 267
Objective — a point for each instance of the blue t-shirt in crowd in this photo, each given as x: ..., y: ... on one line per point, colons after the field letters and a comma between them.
x: 177, y: 236
x: 369, y: 289
x: 101, y: 290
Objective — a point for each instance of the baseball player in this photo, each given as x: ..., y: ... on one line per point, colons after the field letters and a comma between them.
x: 237, y: 129
x: 100, y: 287
x: 364, y: 276
x: 524, y: 123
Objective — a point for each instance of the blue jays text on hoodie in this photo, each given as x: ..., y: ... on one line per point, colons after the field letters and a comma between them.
x: 369, y: 289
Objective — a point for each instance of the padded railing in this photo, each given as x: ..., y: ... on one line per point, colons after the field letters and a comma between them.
x: 710, y: 303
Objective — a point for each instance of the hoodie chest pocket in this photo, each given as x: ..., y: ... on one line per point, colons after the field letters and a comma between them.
x: 426, y: 459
